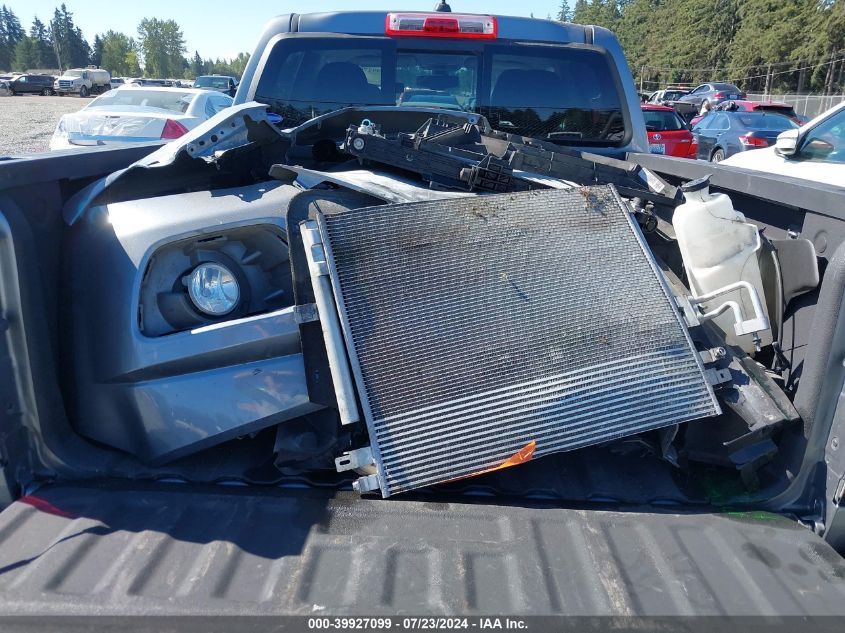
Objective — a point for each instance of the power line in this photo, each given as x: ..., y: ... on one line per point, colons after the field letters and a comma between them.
x: 717, y: 69
x: 749, y: 77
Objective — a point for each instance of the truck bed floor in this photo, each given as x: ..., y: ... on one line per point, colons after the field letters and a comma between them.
x: 180, y: 549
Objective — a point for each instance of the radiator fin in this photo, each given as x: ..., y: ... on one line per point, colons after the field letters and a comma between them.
x: 478, y: 325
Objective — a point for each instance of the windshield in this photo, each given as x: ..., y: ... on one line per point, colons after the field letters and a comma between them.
x: 662, y: 121
x: 212, y: 82
x: 727, y: 87
x: 560, y: 93
x: 775, y: 122
x: 169, y: 100
x: 673, y: 95
x: 74, y: 73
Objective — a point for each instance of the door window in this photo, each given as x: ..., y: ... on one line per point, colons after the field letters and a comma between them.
x: 720, y: 123
x: 826, y: 142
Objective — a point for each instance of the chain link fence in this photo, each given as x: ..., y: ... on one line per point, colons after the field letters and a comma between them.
x: 808, y: 105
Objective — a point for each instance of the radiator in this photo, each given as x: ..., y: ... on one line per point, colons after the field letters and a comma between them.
x: 489, y: 330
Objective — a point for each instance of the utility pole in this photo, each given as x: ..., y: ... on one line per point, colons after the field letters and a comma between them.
x: 828, y: 81
x: 839, y: 82
x: 642, y: 75
x: 768, y: 89
x: 802, y: 75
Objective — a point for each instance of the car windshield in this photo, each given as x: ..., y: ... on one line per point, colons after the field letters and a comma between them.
x: 560, y: 93
x: 662, y: 121
x: 169, y: 100
x: 727, y: 87
x: 762, y: 121
x: 212, y: 82
x: 672, y: 95
x: 74, y: 73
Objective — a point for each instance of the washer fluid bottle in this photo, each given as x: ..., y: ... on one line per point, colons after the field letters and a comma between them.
x: 720, y: 248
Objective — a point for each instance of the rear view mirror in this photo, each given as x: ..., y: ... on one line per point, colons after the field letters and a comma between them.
x: 787, y: 143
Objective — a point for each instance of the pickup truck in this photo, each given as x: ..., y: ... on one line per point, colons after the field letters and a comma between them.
x: 288, y: 363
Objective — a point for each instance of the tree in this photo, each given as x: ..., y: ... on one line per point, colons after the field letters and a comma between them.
x: 44, y: 55
x: 115, y: 49
x: 197, y: 66
x: 634, y: 28
x: 597, y: 12
x: 133, y: 67
x: 97, y: 51
x: 564, y: 14
x: 162, y: 45
x: 766, y: 35
x: 70, y: 46
x: 26, y: 57
x: 11, y: 34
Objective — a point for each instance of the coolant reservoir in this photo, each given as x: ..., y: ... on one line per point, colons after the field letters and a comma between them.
x: 720, y: 248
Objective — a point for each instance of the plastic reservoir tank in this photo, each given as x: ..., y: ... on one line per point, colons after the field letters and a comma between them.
x: 720, y: 248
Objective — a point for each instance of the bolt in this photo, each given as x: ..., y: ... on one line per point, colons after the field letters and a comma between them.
x: 358, y: 144
x: 720, y: 352
x: 834, y: 443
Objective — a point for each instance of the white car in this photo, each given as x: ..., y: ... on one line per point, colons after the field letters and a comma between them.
x: 815, y: 151
x: 133, y: 115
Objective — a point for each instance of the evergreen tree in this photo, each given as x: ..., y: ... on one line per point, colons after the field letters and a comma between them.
x: 26, y: 56
x: 197, y: 66
x: 10, y: 34
x: 44, y: 55
x: 564, y: 14
x: 767, y: 34
x: 97, y: 51
x: 70, y: 46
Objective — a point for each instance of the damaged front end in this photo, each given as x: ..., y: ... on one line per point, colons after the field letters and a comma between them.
x: 415, y: 308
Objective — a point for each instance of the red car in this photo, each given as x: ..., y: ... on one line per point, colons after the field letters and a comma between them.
x: 667, y: 132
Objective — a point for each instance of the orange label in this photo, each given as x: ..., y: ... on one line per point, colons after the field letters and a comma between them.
x: 520, y: 457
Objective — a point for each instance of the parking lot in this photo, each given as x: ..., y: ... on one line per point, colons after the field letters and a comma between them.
x: 28, y: 122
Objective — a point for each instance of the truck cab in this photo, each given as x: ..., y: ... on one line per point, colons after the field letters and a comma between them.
x: 574, y: 78
x: 82, y: 82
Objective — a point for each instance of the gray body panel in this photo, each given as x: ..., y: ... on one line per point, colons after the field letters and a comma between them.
x: 160, y: 397
x: 194, y: 550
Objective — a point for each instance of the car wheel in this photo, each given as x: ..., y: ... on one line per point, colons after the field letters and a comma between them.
x: 718, y: 156
x: 83, y: 92
x: 45, y: 92
x: 13, y: 93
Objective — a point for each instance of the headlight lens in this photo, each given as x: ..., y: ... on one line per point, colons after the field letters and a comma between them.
x: 214, y: 289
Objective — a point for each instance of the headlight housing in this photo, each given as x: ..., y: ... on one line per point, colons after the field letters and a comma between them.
x: 213, y: 289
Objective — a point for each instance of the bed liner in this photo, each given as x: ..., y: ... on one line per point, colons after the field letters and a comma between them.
x: 111, y: 549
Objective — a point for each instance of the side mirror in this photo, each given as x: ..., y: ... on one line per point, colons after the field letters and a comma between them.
x: 787, y: 143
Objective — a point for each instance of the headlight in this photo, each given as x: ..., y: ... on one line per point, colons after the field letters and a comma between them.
x: 213, y: 289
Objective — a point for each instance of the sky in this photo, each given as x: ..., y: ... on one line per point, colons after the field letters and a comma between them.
x: 223, y: 28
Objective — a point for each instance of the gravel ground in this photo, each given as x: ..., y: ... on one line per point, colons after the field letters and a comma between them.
x: 28, y: 122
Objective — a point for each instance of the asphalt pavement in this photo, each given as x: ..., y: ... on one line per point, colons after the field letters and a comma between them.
x: 28, y: 122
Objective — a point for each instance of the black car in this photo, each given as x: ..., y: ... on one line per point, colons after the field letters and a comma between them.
x: 227, y: 85
x: 31, y: 84
x: 722, y: 134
